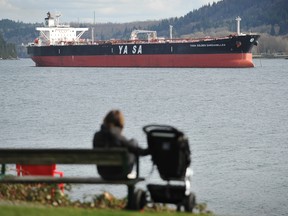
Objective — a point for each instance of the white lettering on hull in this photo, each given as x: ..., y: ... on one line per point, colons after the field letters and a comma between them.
x: 135, y: 49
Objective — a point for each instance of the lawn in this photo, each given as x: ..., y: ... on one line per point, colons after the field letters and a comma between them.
x: 16, y: 210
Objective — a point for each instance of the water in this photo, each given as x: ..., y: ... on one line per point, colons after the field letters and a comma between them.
x: 236, y: 121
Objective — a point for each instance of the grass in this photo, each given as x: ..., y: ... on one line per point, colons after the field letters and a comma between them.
x: 48, y: 200
x: 12, y: 210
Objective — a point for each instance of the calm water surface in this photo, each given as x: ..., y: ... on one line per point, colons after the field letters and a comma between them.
x: 236, y: 121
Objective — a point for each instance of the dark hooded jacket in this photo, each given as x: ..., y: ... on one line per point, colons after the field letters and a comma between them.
x: 109, y: 138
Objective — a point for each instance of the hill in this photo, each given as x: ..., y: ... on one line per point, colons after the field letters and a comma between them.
x: 18, y: 33
x: 267, y: 17
x: 7, y: 50
x: 264, y: 16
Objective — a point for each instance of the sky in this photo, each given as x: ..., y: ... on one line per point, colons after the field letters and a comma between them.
x: 119, y: 11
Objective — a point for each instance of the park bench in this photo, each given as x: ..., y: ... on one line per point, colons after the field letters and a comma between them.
x: 103, y: 157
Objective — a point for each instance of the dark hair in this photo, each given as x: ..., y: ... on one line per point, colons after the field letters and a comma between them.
x: 114, y: 118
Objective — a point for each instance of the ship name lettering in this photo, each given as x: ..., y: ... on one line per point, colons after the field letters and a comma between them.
x: 125, y: 51
x: 207, y: 45
x: 136, y: 49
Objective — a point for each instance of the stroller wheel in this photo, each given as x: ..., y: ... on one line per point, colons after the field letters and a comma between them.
x: 190, y: 202
x: 139, y: 201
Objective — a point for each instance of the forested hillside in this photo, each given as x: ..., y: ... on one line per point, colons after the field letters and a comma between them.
x: 7, y: 50
x: 266, y: 17
x: 18, y: 33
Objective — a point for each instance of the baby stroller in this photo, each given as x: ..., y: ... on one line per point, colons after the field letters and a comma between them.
x: 171, y: 154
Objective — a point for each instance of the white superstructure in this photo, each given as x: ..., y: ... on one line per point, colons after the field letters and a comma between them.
x: 55, y: 34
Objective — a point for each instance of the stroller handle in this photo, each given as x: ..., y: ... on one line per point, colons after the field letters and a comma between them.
x: 148, y: 128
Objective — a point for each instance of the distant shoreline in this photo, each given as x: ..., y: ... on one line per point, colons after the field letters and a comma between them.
x: 9, y: 58
x: 271, y: 56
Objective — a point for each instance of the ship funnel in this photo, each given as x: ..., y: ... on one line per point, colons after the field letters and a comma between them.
x: 238, y: 19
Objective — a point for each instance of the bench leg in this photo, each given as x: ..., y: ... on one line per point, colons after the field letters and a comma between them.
x: 3, y: 169
x: 130, y: 204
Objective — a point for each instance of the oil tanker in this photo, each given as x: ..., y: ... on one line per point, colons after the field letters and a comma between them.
x: 61, y: 46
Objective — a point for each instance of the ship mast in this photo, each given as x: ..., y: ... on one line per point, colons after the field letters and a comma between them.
x: 92, y: 30
x: 171, y: 29
x: 238, y: 19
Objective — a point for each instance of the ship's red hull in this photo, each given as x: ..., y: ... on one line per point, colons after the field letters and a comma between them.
x: 231, y: 60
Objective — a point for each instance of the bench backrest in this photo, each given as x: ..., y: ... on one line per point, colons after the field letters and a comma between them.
x: 108, y: 157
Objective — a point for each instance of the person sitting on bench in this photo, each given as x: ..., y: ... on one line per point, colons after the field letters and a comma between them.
x: 109, y: 136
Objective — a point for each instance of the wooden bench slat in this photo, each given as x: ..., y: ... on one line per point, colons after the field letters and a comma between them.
x: 115, y: 156
x: 69, y: 180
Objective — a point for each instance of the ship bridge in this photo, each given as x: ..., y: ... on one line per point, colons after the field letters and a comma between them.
x: 55, y: 34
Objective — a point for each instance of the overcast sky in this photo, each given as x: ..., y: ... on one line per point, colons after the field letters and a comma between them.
x: 32, y: 11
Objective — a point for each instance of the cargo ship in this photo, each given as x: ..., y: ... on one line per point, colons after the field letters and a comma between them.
x: 61, y: 46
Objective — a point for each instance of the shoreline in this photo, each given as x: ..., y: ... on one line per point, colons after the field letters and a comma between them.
x: 270, y: 56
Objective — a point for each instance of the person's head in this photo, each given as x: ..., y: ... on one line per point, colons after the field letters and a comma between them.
x: 114, y: 118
